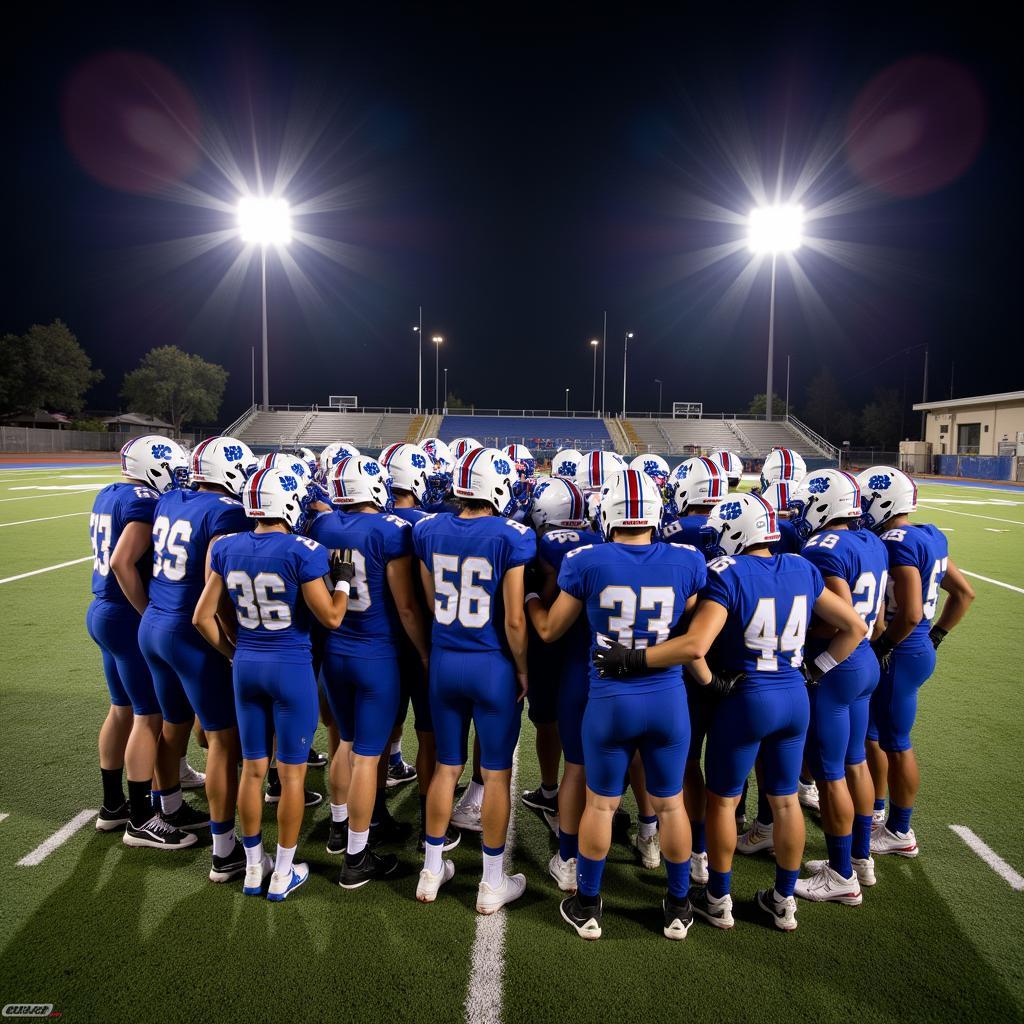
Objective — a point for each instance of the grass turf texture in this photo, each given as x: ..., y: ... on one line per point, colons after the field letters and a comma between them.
x: 102, y: 931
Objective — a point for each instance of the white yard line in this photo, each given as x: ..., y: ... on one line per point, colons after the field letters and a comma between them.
x: 47, y: 497
x: 49, y: 568
x: 487, y: 966
x: 45, y: 519
x: 973, y: 515
x: 990, y: 857
x: 58, y: 839
x: 4, y: 817
x: 973, y: 575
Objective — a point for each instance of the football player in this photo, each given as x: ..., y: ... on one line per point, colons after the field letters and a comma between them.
x: 732, y: 467
x: 416, y: 486
x: 655, y: 467
x: 919, y: 566
x: 566, y: 463
x: 782, y: 464
x: 595, y: 468
x: 187, y: 673
x: 461, y: 446
x: 854, y: 565
x: 526, y: 471
x: 264, y: 584
x: 760, y: 605
x: 120, y: 529
x: 361, y: 663
x: 472, y: 566
x: 558, y: 676
x: 634, y: 592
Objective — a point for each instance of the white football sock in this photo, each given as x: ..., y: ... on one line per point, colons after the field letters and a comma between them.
x: 285, y: 856
x: 170, y: 802
x: 396, y: 748
x: 494, y: 869
x: 357, y: 840
x: 548, y: 793
x: 475, y: 793
x: 223, y: 843
x: 254, y: 855
x: 339, y: 812
x: 432, y: 857
x: 647, y: 829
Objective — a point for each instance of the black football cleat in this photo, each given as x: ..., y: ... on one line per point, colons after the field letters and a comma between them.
x: 678, y: 918
x: 365, y: 867
x: 111, y: 821
x: 584, y: 919
x: 188, y: 819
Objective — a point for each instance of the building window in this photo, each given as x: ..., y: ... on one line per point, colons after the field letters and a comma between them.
x: 968, y: 437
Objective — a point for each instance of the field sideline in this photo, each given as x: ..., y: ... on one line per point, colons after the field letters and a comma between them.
x: 107, y: 933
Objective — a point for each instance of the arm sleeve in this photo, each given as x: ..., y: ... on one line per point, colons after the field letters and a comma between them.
x: 312, y: 564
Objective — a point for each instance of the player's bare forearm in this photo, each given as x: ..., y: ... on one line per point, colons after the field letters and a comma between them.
x: 553, y: 623
x: 133, y: 588
x: 694, y: 644
x: 959, y: 597
x: 134, y: 542
x: 850, y: 627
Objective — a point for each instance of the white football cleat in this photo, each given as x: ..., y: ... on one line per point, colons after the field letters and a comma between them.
x: 256, y: 875
x: 191, y: 779
x: 649, y: 850
x: 563, y: 872
x: 282, y: 885
x: 828, y: 886
x: 808, y: 796
x: 699, y: 868
x: 489, y: 900
x: 429, y: 884
x: 903, y: 844
x: 757, y: 838
x: 863, y: 866
x: 781, y: 909
x: 466, y: 814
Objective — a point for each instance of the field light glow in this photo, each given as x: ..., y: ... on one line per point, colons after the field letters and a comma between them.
x: 264, y: 220
x: 775, y: 229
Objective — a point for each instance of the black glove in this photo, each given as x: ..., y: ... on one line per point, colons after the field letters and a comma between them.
x: 616, y: 661
x: 722, y: 684
x: 533, y: 579
x: 937, y: 634
x: 883, y: 648
x: 343, y: 569
x: 811, y: 673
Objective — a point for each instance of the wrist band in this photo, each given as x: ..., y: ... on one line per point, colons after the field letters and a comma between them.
x: 825, y: 662
x: 532, y: 596
x: 343, y: 586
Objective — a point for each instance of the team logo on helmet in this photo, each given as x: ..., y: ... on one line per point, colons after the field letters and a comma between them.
x: 161, y: 451
x: 289, y: 483
x: 880, y: 482
x: 233, y: 453
x: 818, y: 485
x: 502, y: 466
x: 731, y: 510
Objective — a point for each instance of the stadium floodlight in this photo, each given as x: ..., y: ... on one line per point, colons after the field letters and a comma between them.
x: 593, y: 394
x: 264, y: 221
x: 438, y: 341
x: 772, y: 230
x: 775, y: 229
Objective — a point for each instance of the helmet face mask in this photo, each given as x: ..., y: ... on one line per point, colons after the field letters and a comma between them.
x: 526, y: 473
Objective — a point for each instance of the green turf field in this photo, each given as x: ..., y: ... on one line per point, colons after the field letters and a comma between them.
x: 105, y: 933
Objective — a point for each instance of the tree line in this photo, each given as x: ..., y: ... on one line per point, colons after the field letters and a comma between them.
x: 46, y: 368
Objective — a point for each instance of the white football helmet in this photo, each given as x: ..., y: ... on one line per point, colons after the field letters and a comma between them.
x: 272, y: 493
x: 461, y: 445
x: 444, y: 460
x: 334, y: 453
x: 360, y: 479
x: 654, y: 466
x: 739, y: 522
x: 629, y: 498
x: 782, y: 464
x: 732, y: 466
x: 486, y: 474
x: 287, y: 463
x: 308, y: 456
x: 596, y: 468
x: 222, y: 460
x: 566, y: 463
x: 779, y: 495
x: 885, y: 492
x: 526, y: 472
x: 696, y: 482
x: 155, y: 460
x: 824, y: 495
x: 558, y: 502
x: 411, y: 469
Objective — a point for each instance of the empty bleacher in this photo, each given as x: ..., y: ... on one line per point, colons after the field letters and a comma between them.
x: 369, y: 431
x: 751, y: 438
x: 538, y: 433
x: 777, y: 434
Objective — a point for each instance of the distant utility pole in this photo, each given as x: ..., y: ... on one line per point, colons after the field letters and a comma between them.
x: 604, y: 359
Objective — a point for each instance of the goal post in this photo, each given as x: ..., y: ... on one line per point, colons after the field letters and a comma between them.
x: 687, y: 410
x: 343, y: 401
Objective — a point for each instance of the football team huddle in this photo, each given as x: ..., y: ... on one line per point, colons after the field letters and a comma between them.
x: 667, y: 632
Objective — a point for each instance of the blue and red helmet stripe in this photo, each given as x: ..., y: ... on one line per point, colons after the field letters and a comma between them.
x: 634, y: 495
x: 390, y: 453
x: 595, y: 469
x: 466, y: 467
x: 576, y: 501
x: 197, y: 454
x: 856, y: 490
x: 773, y: 522
x: 254, y: 488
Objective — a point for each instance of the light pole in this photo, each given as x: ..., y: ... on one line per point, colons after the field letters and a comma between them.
x: 445, y: 406
x: 566, y: 401
x: 625, y: 351
x: 593, y: 394
x: 771, y: 230
x: 659, y: 383
x: 263, y: 221
x: 604, y: 360
x: 437, y: 340
x: 418, y: 331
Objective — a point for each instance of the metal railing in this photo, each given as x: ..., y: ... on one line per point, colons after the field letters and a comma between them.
x: 815, y: 438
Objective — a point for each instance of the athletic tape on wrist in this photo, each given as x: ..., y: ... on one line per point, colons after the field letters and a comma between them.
x: 343, y: 586
x: 825, y: 662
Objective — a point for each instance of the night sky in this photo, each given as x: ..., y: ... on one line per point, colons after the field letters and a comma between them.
x: 517, y: 179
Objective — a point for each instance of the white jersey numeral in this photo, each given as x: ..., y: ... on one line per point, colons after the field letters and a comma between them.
x: 625, y: 601
x: 100, y: 528
x: 170, y: 556
x: 932, y: 597
x: 466, y: 600
x: 359, y: 596
x: 762, y: 637
x: 252, y: 596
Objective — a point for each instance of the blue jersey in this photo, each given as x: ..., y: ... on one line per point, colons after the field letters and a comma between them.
x: 684, y: 530
x: 552, y: 547
x: 924, y: 547
x: 859, y: 558
x: 790, y: 542
x: 411, y: 515
x: 769, y: 601
x: 115, y: 507
x: 468, y: 559
x: 184, y: 523
x: 371, y: 628
x: 634, y: 594
x: 263, y: 574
